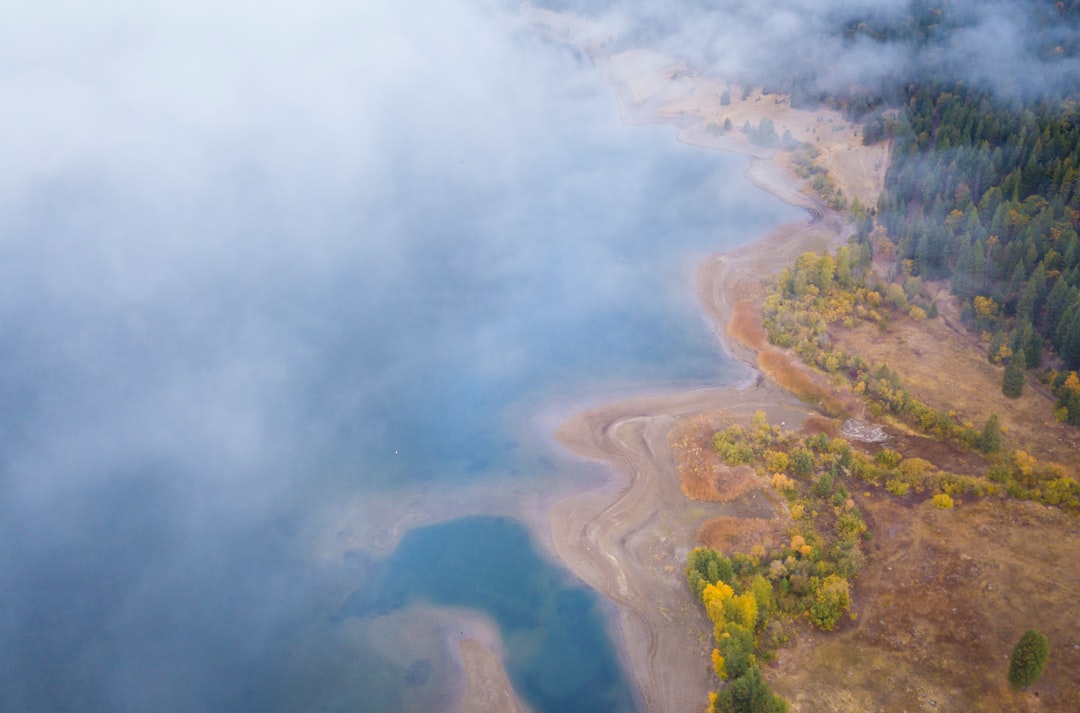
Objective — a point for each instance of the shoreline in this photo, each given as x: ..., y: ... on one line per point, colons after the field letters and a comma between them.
x: 627, y: 535
x: 628, y: 538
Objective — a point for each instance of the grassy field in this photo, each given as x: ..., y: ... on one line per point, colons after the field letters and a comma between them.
x: 944, y: 594
x: 944, y: 366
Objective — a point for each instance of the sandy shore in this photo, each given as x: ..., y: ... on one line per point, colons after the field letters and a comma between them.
x: 629, y: 539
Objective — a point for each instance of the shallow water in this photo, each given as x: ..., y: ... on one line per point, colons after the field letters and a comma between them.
x: 559, y: 655
x: 292, y: 282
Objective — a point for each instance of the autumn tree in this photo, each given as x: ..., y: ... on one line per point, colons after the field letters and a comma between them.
x: 830, y: 601
x: 1068, y: 399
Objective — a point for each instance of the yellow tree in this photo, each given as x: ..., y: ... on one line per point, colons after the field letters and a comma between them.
x: 714, y: 596
x: 742, y: 610
x: 718, y: 664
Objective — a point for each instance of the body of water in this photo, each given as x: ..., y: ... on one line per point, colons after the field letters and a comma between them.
x: 259, y: 262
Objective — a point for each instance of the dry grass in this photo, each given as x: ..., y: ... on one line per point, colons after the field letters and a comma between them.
x: 789, y: 373
x: 946, y: 369
x: 942, y: 600
x: 745, y: 326
x: 815, y: 424
x: 703, y: 475
x: 740, y: 534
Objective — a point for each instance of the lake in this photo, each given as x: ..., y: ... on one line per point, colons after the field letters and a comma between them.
x: 283, y: 291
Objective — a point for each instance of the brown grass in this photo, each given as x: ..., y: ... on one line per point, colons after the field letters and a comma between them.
x: 703, y: 475
x: 946, y: 368
x: 820, y: 424
x: 740, y: 534
x: 745, y: 325
x: 942, y: 600
x: 789, y: 373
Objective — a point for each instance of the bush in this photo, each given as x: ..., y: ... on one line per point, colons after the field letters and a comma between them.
x: 943, y: 501
x: 831, y: 600
x: 888, y: 458
x: 897, y: 487
x: 1028, y: 659
x: 802, y: 463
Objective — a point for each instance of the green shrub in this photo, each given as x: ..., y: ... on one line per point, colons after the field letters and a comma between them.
x: 1028, y: 659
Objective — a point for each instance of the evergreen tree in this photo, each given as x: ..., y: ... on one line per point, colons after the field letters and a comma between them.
x: 1056, y: 304
x: 749, y: 693
x: 990, y: 437
x: 1028, y: 659
x: 1013, y: 383
x: 1067, y: 337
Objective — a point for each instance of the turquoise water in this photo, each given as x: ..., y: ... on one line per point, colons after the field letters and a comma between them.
x: 344, y: 268
x: 559, y: 655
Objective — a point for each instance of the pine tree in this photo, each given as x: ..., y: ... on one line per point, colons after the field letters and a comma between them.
x: 1033, y: 352
x: 749, y: 693
x: 1028, y: 659
x: 1013, y: 383
x: 990, y: 437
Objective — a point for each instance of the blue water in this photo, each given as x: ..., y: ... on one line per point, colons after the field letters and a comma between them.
x: 559, y: 656
x: 239, y: 291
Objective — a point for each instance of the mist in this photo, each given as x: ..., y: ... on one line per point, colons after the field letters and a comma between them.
x: 258, y: 260
x: 1016, y: 50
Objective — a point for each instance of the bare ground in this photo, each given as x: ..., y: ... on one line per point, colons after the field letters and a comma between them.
x: 487, y: 688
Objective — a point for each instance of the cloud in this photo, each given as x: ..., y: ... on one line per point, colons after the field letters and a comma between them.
x: 249, y: 250
x: 203, y: 209
x: 1003, y: 47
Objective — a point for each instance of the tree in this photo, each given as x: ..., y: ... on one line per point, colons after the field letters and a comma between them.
x: 1013, y: 383
x: 1068, y: 401
x: 989, y: 440
x: 736, y: 646
x: 749, y: 693
x: 830, y: 601
x: 1028, y: 659
x: 707, y: 566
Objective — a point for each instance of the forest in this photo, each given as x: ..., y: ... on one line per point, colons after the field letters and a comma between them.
x: 983, y: 189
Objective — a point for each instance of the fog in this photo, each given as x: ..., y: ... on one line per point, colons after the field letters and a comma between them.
x: 1017, y: 50
x: 259, y: 260
x: 263, y: 264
